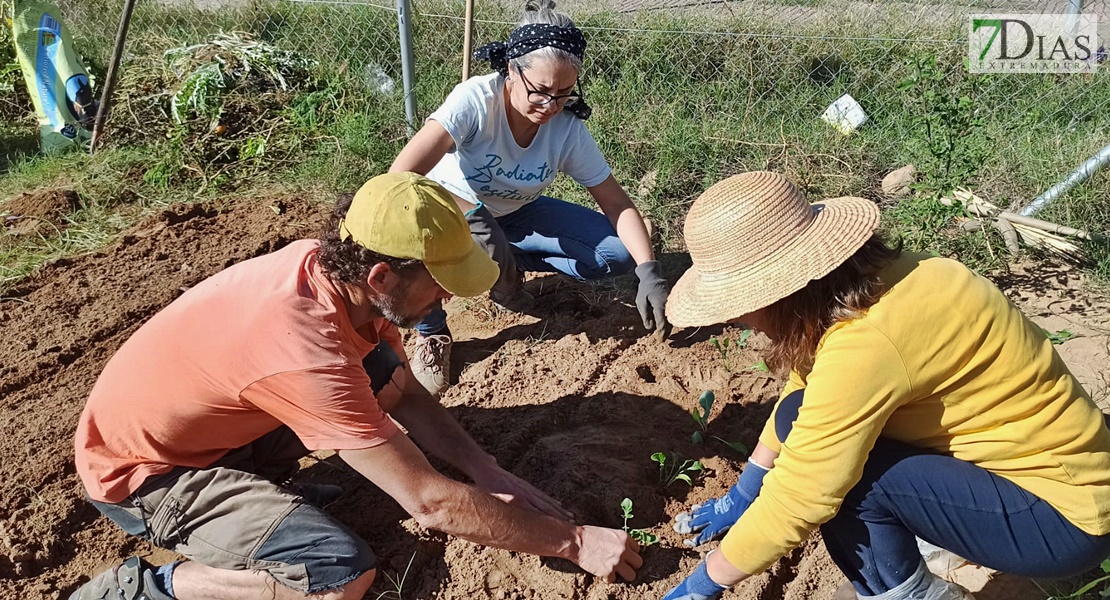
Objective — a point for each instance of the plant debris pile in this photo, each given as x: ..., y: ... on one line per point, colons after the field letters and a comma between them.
x: 221, y: 104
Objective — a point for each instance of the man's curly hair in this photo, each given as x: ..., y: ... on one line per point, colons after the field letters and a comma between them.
x: 345, y: 261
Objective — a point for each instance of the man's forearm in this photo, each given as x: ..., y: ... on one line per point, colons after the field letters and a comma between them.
x: 433, y: 427
x: 469, y: 513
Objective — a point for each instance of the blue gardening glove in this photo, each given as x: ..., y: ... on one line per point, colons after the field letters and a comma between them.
x: 715, y: 517
x: 651, y: 297
x: 698, y: 586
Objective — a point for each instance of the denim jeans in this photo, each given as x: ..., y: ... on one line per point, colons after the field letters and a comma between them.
x: 907, y: 491
x: 553, y: 236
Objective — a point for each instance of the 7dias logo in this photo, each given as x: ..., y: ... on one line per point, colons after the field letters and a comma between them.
x: 1032, y: 43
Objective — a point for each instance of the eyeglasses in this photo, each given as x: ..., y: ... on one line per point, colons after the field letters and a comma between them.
x: 538, y: 98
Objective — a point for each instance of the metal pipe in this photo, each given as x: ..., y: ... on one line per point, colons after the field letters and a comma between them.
x: 113, y: 67
x: 1075, y: 8
x: 468, y: 27
x: 1077, y: 176
x: 404, y: 26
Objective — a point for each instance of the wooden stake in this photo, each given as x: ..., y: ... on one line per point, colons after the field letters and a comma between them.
x: 113, y: 67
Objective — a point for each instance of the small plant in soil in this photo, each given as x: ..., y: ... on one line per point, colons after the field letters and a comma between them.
x: 642, y: 536
x: 397, y: 582
x: 1059, y: 337
x: 728, y: 349
x: 701, y: 417
x: 673, y: 470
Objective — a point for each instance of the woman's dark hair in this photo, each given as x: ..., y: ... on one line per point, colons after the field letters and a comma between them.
x: 796, y: 323
x: 345, y: 261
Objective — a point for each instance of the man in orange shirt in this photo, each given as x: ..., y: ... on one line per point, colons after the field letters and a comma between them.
x: 196, y: 424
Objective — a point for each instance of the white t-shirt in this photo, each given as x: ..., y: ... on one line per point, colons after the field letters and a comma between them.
x: 486, y: 163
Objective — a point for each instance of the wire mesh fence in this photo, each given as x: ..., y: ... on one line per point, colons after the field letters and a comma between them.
x: 687, y: 91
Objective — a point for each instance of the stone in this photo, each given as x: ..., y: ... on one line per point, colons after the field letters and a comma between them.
x: 897, y: 183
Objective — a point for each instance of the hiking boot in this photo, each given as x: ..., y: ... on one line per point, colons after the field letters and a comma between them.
x: 508, y: 292
x: 320, y: 495
x: 132, y: 580
x: 519, y: 302
x: 431, y: 361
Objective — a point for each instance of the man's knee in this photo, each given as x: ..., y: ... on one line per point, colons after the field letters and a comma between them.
x: 314, y: 553
x: 354, y: 590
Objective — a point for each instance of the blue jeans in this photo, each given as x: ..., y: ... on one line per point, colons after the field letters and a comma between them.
x: 547, y: 235
x: 907, y: 491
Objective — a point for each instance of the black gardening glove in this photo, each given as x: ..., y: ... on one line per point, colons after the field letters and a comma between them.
x: 651, y: 297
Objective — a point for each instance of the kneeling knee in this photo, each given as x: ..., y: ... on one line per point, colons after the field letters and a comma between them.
x: 356, y: 589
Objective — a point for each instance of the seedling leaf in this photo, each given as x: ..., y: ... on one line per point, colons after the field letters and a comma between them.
x: 735, y: 446
x: 626, y: 506
x: 706, y: 402
x: 660, y: 458
x: 1059, y: 337
x: 643, y: 537
x: 760, y: 366
x: 684, y: 477
x: 696, y: 437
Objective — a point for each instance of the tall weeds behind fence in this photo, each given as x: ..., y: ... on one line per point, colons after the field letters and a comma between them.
x: 686, y: 95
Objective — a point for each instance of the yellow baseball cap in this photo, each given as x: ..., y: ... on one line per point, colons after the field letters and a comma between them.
x: 405, y: 215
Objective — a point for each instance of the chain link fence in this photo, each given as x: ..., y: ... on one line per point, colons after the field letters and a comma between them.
x: 688, y: 91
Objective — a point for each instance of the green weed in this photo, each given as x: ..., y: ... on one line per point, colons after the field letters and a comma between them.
x: 1099, y: 585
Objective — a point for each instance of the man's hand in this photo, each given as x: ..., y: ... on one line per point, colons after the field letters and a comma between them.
x: 511, y: 489
x: 607, y: 553
x: 651, y: 298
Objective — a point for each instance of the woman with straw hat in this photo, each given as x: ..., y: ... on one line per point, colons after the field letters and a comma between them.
x: 920, y: 404
x: 497, y: 143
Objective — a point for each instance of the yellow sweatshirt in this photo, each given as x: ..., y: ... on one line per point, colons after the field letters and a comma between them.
x: 942, y: 361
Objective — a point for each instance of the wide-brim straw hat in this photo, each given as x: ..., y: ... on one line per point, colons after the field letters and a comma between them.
x: 755, y: 239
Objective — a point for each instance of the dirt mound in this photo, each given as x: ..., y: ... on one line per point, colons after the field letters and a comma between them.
x: 574, y: 399
x: 38, y: 212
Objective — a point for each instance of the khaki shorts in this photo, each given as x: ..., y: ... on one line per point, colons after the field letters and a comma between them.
x: 228, y: 517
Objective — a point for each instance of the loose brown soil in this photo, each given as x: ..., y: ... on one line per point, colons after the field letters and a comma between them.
x: 38, y: 212
x: 574, y: 399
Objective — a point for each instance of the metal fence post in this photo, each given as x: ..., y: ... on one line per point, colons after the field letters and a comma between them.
x: 1075, y: 9
x: 404, y: 26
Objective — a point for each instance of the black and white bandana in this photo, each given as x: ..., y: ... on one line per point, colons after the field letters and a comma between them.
x: 527, y: 38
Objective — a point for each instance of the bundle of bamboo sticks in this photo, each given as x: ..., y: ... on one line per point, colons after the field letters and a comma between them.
x: 1017, y: 229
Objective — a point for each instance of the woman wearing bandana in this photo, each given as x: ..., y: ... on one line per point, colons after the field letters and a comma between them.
x: 497, y: 143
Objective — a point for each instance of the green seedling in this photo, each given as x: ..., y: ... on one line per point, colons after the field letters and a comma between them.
x: 1059, y: 337
x: 673, y: 470
x: 721, y: 345
x: 701, y: 417
x: 760, y: 366
x: 728, y: 349
x: 737, y: 447
x: 642, y: 536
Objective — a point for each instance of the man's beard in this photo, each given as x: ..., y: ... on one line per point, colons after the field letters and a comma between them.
x: 392, y: 308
